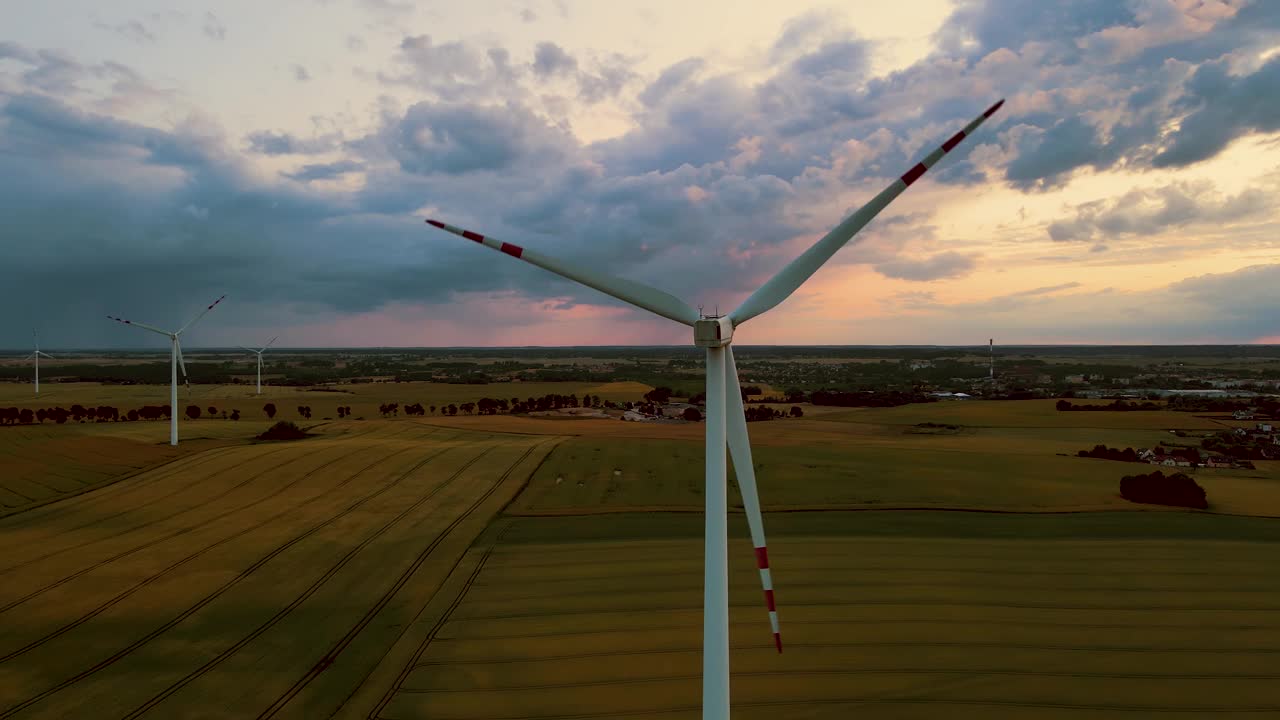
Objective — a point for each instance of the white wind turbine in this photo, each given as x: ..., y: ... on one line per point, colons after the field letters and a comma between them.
x: 259, y: 354
x: 36, y: 355
x: 175, y: 360
x: 724, y: 404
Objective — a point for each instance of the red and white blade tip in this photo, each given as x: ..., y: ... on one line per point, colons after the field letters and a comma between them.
x: 766, y: 579
x: 215, y: 302
x: 121, y: 320
x: 506, y: 247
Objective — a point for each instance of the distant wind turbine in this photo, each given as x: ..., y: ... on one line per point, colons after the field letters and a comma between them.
x: 724, y: 403
x: 259, y: 354
x: 175, y: 360
x: 36, y: 356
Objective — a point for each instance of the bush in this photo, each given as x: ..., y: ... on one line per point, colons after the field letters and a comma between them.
x: 692, y: 414
x: 283, y: 430
x: 1157, y: 489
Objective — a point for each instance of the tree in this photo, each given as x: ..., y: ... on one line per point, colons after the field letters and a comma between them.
x: 692, y: 414
x: 193, y: 411
x: 796, y: 411
x: 433, y: 409
x: 235, y: 414
x: 658, y: 395
x: 26, y: 416
x: 213, y: 410
x: 270, y: 410
x: 133, y: 415
x: 341, y: 412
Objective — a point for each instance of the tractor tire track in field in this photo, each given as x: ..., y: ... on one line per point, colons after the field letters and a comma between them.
x: 103, y: 664
x: 315, y: 586
x: 28, y: 513
x: 878, y: 622
x: 96, y: 521
x: 457, y: 600
x: 331, y: 655
x: 153, y: 501
x: 903, y: 603
x: 872, y: 644
x: 375, y: 713
x: 862, y: 702
x: 872, y: 671
x: 179, y: 563
x: 181, y: 531
x: 147, y: 482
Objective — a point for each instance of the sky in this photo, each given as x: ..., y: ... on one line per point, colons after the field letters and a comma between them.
x: 155, y: 155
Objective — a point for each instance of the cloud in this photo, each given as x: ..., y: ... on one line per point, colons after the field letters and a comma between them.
x: 355, y: 43
x: 1228, y: 307
x: 528, y: 15
x: 720, y: 179
x: 213, y: 28
x: 1223, y: 108
x: 132, y: 30
x: 300, y: 73
x: 550, y: 59
x: 325, y: 171
x: 270, y: 142
x: 1148, y: 211
x: 943, y: 265
x: 452, y: 139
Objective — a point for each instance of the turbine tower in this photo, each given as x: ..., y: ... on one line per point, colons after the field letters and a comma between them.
x: 991, y: 354
x: 175, y: 360
x: 725, y: 420
x: 259, y: 354
x: 36, y: 356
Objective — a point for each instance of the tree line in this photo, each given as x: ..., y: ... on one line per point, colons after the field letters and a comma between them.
x: 80, y: 413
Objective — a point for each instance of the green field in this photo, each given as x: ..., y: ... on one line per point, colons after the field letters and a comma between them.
x: 498, y: 567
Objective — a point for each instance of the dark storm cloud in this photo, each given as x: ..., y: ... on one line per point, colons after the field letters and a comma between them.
x: 1223, y: 108
x: 706, y: 196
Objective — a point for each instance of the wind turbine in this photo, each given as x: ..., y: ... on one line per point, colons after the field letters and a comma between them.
x: 175, y: 360
x: 259, y: 354
x: 725, y: 420
x: 36, y: 356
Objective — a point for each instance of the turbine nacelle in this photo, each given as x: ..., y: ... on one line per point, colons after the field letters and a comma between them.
x: 713, y: 332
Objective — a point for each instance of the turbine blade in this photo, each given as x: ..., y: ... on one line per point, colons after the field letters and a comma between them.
x: 181, y: 363
x: 264, y: 347
x: 45, y: 354
x: 202, y: 314
x: 140, y: 325
x: 745, y: 471
x: 247, y: 349
x: 642, y: 296
x: 791, y: 277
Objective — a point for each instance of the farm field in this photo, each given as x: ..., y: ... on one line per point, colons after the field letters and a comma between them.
x: 883, y: 615
x: 225, y: 583
x: 514, y: 567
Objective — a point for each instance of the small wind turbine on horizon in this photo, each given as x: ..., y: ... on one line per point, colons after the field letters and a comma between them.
x: 175, y: 360
x: 725, y: 419
x: 259, y: 354
x: 36, y: 356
